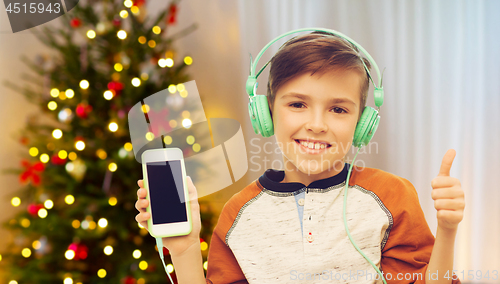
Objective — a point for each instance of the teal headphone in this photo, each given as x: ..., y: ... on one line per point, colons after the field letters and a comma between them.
x: 262, y: 123
x: 258, y: 106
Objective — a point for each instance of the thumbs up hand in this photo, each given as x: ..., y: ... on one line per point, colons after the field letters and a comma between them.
x: 448, y: 195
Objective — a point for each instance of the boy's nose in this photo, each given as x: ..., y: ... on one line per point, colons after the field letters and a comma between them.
x: 317, y: 123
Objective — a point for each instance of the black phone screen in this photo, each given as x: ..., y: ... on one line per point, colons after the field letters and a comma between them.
x: 167, y: 192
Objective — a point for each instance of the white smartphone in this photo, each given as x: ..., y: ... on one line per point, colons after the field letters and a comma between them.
x: 164, y: 176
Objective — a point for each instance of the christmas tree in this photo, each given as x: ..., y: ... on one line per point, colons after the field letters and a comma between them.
x: 78, y: 178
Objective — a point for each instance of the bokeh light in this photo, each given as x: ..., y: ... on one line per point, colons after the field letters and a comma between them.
x: 54, y: 93
x: 121, y: 34
x: 44, y: 158
x: 169, y: 62
x: 62, y: 154
x: 101, y: 273
x: 33, y: 151
x: 143, y: 265
x: 84, y: 84
x: 57, y: 133
x: 167, y: 139
x: 128, y: 3
x: 112, y: 201
x: 52, y: 105
x: 80, y: 145
x: 128, y: 146
x: 118, y: 67
x: 42, y: 213
x: 188, y: 60
x: 186, y: 123
x: 91, y: 34
x: 26, y: 252
x: 15, y: 201
x: 69, y: 199
x: 108, y: 250
x: 137, y: 254
x: 136, y: 82
x: 102, y: 222
x: 112, y: 167
x: 49, y: 204
x: 113, y: 126
x: 150, y: 136
x: 70, y: 93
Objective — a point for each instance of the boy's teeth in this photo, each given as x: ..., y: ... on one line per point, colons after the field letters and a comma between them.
x: 312, y: 145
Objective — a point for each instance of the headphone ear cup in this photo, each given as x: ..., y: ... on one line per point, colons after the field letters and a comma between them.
x: 253, y: 116
x: 366, y: 127
x: 260, y: 116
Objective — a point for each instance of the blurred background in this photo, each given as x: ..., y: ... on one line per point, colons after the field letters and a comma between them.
x: 441, y: 82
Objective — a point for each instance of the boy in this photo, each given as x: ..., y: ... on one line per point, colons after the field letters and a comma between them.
x: 287, y: 225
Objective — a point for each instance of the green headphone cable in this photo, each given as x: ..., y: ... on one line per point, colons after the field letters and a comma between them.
x: 159, y: 245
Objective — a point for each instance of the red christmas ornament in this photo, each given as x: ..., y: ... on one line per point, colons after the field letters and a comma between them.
x: 129, y: 280
x: 57, y: 161
x: 81, y: 251
x: 160, y: 121
x: 75, y: 22
x: 34, y: 208
x: 83, y: 109
x: 24, y: 140
x: 117, y: 23
x: 151, y: 268
x: 165, y: 251
x: 31, y: 172
x: 116, y: 87
x: 172, y: 14
x: 154, y: 60
x: 139, y: 3
x: 121, y: 114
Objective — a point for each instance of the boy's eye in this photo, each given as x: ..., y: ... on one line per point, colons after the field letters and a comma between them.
x: 296, y: 105
x: 339, y: 110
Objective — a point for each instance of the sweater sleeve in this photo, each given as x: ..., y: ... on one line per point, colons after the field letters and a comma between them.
x: 407, y: 253
x: 222, y: 265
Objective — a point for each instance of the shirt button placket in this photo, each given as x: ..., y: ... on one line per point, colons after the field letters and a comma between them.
x: 307, y: 217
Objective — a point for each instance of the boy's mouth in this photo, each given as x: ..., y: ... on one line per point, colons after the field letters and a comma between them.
x: 313, y: 145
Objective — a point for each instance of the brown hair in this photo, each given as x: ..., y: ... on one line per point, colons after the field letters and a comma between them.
x: 315, y: 52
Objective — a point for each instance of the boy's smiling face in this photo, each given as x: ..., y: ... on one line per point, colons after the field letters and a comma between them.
x: 322, y: 108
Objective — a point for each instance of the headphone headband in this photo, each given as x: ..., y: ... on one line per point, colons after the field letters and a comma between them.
x: 251, y: 85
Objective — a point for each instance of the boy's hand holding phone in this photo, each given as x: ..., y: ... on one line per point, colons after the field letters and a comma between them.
x: 448, y: 195
x: 176, y: 245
